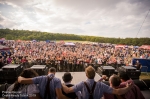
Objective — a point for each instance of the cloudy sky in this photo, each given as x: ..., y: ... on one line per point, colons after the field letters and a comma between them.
x: 106, y: 18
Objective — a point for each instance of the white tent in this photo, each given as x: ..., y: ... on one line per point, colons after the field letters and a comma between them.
x: 69, y: 44
x: 4, y: 47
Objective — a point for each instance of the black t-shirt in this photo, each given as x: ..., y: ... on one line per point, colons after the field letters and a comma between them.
x: 70, y: 95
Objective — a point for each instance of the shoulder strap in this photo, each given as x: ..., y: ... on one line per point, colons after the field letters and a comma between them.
x: 87, y: 87
x: 93, y: 87
x: 47, y: 89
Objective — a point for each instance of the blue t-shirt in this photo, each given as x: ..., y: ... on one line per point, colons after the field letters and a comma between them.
x: 42, y: 81
x: 100, y: 88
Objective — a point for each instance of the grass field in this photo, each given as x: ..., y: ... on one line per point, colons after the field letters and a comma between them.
x: 145, y: 75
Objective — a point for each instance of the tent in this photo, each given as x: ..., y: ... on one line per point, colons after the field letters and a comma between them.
x: 120, y: 46
x: 69, y: 44
x: 34, y: 41
x: 4, y: 47
x: 147, y: 47
x: 18, y: 40
x: 136, y: 46
x: 47, y: 41
x: 3, y: 39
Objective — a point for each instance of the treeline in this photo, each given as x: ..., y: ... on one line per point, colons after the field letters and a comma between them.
x: 42, y: 36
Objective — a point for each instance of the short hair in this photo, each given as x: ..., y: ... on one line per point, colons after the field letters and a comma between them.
x: 123, y: 75
x: 29, y: 73
x: 67, y: 77
x: 115, y: 80
x: 52, y: 70
x: 90, y: 72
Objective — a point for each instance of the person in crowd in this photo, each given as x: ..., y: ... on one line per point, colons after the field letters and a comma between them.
x: 67, y: 78
x: 49, y: 86
x: 24, y: 91
x: 138, y: 65
x: 1, y: 62
x: 98, y: 88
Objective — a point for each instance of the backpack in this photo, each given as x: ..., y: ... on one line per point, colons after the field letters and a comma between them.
x: 90, y: 91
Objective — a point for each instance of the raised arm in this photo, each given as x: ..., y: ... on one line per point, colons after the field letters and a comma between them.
x: 23, y: 80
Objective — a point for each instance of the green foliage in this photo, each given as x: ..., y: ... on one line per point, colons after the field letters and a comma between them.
x: 42, y: 36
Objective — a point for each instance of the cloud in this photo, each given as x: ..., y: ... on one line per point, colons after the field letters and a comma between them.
x: 108, y: 18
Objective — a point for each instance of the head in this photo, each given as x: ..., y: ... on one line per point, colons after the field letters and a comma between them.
x: 123, y: 76
x: 28, y: 73
x: 67, y: 77
x: 137, y: 61
x: 90, y: 72
x: 52, y: 70
x: 114, y: 80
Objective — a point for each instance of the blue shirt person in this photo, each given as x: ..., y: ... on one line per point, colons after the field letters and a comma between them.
x: 55, y: 84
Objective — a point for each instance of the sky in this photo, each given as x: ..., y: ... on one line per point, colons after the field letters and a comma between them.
x: 104, y: 18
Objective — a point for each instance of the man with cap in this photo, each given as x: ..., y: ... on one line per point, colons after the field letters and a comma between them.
x: 67, y: 78
x: 99, y: 89
x: 47, y: 90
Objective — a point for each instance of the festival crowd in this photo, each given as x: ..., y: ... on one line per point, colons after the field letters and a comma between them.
x: 71, y: 58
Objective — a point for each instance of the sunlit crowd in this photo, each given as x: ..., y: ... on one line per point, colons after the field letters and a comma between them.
x: 72, y: 58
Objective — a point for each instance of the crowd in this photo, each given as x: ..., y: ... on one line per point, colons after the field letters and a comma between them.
x: 71, y: 58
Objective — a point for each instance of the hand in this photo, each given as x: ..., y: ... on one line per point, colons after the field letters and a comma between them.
x: 20, y: 79
x: 129, y: 85
x: 104, y: 77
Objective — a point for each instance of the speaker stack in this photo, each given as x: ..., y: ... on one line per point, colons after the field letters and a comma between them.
x: 40, y: 69
x: 9, y: 73
x: 106, y: 70
x: 132, y: 72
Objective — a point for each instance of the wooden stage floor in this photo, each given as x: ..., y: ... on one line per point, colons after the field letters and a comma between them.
x: 77, y: 76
